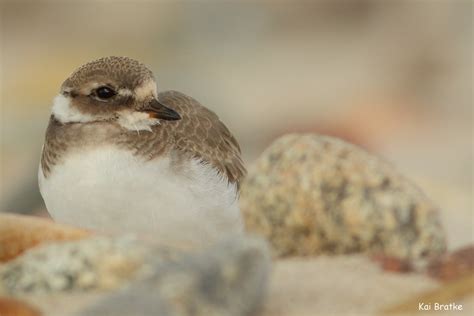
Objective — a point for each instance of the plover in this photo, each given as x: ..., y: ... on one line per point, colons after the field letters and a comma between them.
x: 120, y: 157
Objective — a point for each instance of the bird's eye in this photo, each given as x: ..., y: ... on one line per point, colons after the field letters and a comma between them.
x: 105, y: 93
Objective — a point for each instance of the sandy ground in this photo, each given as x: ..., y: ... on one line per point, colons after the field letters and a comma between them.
x: 345, y: 285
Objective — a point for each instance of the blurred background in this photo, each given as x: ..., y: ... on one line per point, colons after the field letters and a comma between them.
x: 392, y: 76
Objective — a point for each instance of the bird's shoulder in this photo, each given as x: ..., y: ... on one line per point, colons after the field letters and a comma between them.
x: 202, y: 134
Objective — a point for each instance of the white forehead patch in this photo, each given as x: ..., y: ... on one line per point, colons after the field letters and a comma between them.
x: 145, y: 90
x: 65, y: 113
x: 136, y: 121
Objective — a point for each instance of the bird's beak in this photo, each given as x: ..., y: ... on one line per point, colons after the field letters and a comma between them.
x: 157, y: 110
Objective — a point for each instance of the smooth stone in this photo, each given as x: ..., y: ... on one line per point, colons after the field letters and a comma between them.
x: 311, y: 194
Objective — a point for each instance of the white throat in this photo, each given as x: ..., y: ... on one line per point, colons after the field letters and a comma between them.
x: 131, y: 120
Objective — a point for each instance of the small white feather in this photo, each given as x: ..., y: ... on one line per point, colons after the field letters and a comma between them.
x: 136, y: 121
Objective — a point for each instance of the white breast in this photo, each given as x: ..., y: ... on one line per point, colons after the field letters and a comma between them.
x: 111, y: 190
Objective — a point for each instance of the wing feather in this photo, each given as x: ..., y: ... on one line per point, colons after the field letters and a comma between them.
x: 201, y: 134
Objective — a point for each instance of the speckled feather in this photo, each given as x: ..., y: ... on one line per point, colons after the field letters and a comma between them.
x: 128, y: 71
x: 202, y: 135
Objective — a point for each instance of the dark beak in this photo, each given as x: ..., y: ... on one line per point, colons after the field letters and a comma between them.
x: 160, y: 111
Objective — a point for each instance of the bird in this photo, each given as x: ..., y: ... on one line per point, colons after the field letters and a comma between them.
x: 119, y: 157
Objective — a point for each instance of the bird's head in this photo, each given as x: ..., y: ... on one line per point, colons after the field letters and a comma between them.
x: 112, y: 88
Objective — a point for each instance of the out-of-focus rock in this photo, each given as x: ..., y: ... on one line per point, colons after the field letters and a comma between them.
x: 454, y: 265
x: 20, y: 233
x: 229, y: 279
x: 311, y: 194
x: 393, y: 264
x: 12, y: 307
x: 94, y: 263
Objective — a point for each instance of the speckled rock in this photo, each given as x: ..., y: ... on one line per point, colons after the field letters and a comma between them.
x: 88, y: 264
x: 229, y: 279
x: 312, y: 194
x: 18, y: 233
x: 130, y: 277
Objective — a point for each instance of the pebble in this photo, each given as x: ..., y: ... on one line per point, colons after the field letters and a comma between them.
x: 137, y: 278
x: 311, y: 194
x: 88, y: 264
x: 228, y: 279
